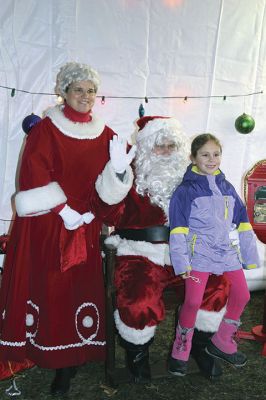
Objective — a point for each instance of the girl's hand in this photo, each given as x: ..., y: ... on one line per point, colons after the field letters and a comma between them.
x: 186, y: 275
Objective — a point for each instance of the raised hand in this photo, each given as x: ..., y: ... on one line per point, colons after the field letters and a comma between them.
x: 119, y: 157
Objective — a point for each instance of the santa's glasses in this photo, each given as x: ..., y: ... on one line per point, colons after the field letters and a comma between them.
x: 164, y: 148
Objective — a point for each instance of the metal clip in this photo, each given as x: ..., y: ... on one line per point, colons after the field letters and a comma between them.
x: 194, y: 278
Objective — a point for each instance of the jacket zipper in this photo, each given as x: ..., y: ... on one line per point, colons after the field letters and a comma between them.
x: 226, y: 201
x: 193, y: 242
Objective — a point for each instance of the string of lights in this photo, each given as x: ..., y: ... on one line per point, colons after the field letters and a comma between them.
x: 145, y: 98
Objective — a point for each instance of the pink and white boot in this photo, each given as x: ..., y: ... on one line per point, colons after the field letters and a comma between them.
x: 178, y: 361
x: 223, y: 346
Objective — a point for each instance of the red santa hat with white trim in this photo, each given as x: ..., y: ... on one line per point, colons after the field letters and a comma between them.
x: 149, y: 125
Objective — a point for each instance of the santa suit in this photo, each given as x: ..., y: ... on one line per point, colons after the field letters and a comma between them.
x: 52, y: 300
x: 143, y: 271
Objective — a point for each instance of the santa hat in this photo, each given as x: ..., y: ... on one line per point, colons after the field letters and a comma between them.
x: 150, y: 125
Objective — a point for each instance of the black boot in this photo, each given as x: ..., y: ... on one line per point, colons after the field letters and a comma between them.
x: 209, y: 366
x: 137, y: 357
x: 61, y: 381
x: 236, y: 359
x: 177, y: 367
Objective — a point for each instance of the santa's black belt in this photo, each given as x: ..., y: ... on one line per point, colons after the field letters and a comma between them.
x: 158, y: 233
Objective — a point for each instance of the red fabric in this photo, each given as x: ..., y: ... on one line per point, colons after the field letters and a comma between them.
x: 10, y: 368
x: 4, y: 239
x: 144, y: 305
x: 143, y: 120
x: 73, y: 250
x: 32, y: 281
x: 76, y: 116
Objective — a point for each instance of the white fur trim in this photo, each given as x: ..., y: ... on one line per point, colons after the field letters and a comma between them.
x: 110, y: 188
x: 132, y: 335
x: 209, y: 321
x: 39, y: 200
x: 78, y: 130
x: 157, y: 253
x: 153, y: 126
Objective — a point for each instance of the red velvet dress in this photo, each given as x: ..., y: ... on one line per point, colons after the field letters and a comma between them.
x: 53, y: 317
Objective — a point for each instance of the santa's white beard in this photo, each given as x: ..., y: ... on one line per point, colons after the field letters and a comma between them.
x: 159, y: 177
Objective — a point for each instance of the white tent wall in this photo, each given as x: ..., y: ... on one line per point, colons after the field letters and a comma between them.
x: 153, y: 48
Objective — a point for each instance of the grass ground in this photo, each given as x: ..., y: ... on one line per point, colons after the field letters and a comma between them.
x: 248, y: 383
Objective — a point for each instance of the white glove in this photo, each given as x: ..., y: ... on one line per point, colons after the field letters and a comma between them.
x: 87, y: 217
x: 72, y: 219
x: 119, y: 157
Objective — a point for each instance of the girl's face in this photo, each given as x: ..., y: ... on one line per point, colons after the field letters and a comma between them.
x: 81, y: 96
x: 208, y: 158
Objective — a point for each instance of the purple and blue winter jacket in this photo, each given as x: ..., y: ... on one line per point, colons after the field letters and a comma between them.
x: 203, y: 211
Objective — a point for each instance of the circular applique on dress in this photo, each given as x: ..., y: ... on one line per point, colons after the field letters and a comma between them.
x: 87, y: 321
x: 32, y: 318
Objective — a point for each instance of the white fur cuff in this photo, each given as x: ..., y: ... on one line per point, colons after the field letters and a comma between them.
x: 132, y: 335
x: 209, y: 321
x: 40, y: 200
x: 155, y: 252
x: 109, y: 187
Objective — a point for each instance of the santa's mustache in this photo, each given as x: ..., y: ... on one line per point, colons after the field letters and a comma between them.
x: 161, y: 179
x: 159, y: 165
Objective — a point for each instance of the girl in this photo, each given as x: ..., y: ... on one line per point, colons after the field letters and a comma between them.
x: 204, y: 209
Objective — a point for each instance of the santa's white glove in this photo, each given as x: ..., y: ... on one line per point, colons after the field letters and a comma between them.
x: 119, y: 157
x: 72, y: 219
x: 88, y: 217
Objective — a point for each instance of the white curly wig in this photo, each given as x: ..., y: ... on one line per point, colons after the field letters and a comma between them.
x: 75, y: 72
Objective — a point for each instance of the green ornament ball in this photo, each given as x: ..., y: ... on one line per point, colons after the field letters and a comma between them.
x: 245, y: 123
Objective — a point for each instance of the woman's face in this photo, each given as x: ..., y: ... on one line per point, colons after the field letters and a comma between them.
x: 81, y: 96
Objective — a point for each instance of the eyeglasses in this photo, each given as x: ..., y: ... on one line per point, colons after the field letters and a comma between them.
x: 166, y: 146
x: 78, y: 91
x: 164, y: 149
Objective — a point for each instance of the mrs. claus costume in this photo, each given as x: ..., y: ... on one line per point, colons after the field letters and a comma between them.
x: 51, y: 299
x: 143, y: 266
